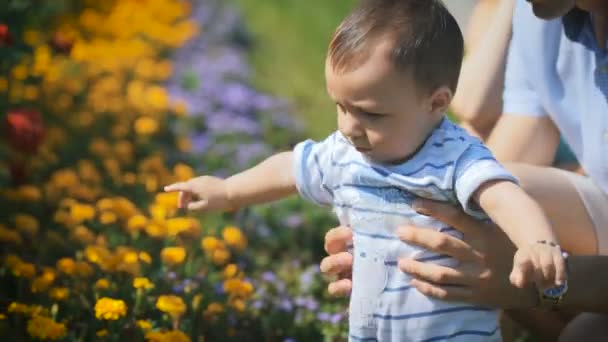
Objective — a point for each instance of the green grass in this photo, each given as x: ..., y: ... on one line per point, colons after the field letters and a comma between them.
x: 290, y: 41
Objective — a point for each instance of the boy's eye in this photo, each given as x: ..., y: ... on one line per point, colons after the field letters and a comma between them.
x: 373, y: 116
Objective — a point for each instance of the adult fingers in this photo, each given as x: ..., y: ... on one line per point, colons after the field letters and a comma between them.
x: 436, y: 274
x: 438, y: 242
x: 337, y: 239
x: 523, y: 270
x: 337, y: 263
x: 448, y: 214
x: 444, y: 292
x: 340, y: 288
x: 547, y: 269
x: 180, y: 186
x: 560, y: 269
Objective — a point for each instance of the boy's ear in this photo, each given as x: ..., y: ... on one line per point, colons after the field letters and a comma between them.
x: 440, y: 100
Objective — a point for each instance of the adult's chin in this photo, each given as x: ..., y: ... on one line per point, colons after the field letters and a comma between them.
x: 551, y: 9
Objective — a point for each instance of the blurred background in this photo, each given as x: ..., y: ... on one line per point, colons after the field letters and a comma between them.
x: 104, y: 102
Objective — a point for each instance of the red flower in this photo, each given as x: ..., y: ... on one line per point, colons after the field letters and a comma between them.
x: 24, y: 129
x: 5, y: 36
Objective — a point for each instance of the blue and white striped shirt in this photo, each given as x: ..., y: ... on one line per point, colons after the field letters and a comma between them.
x: 373, y: 199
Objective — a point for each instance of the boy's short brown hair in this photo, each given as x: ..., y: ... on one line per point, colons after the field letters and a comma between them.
x: 426, y: 40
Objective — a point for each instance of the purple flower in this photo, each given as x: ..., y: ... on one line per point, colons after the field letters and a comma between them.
x: 324, y: 316
x: 293, y: 221
x: 286, y: 305
x: 336, y: 318
x: 200, y: 143
x: 258, y: 304
x: 219, y: 288
x: 246, y: 153
x: 289, y: 339
x: 312, y: 304
x: 269, y: 276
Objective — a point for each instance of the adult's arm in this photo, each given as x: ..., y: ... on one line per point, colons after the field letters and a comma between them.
x: 478, y: 99
x: 485, y: 256
x: 524, y: 138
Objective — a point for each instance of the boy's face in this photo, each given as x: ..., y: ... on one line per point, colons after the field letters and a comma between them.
x: 380, y: 110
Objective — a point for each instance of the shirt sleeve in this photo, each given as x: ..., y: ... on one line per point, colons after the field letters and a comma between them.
x: 475, y: 167
x: 312, y: 165
x: 519, y: 96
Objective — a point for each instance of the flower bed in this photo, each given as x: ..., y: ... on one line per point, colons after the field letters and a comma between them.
x: 102, y: 104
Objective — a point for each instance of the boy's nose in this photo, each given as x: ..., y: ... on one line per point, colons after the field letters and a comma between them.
x: 350, y: 126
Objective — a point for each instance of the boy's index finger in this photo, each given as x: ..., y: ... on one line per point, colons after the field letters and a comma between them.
x: 180, y: 186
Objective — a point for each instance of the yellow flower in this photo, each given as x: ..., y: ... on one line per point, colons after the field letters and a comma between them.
x: 66, y: 265
x: 99, y: 147
x: 145, y: 257
x: 81, y: 212
x: 110, y: 309
x: 102, y: 284
x: 107, y: 217
x: 83, y: 269
x: 24, y: 269
x: 230, y: 271
x: 234, y: 237
x: 210, y: 243
x: 136, y: 222
x: 16, y: 307
x: 2, y: 316
x: 214, y: 309
x: 179, y: 225
x: 144, y: 324
x: 238, y: 288
x: 96, y: 254
x: 196, y: 301
x: 130, y: 257
x: 173, y: 255
x: 82, y: 234
x: 142, y: 283
x: 105, y: 204
x: 27, y: 224
x: 238, y: 304
x: 172, y: 305
x: 9, y: 236
x: 42, y: 282
x: 45, y: 328
x: 170, y: 336
x: 102, y: 333
x: 59, y: 293
x: 166, y: 200
x: 220, y: 256
x: 157, y: 97
x: 29, y: 193
x: 183, y: 172
x: 180, y: 108
x: 146, y: 126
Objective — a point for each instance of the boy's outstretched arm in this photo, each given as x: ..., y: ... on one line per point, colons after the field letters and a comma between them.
x: 270, y: 180
x: 538, y: 258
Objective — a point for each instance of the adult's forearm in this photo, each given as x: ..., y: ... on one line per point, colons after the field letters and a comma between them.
x: 479, y: 96
x: 270, y: 180
x: 588, y: 284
